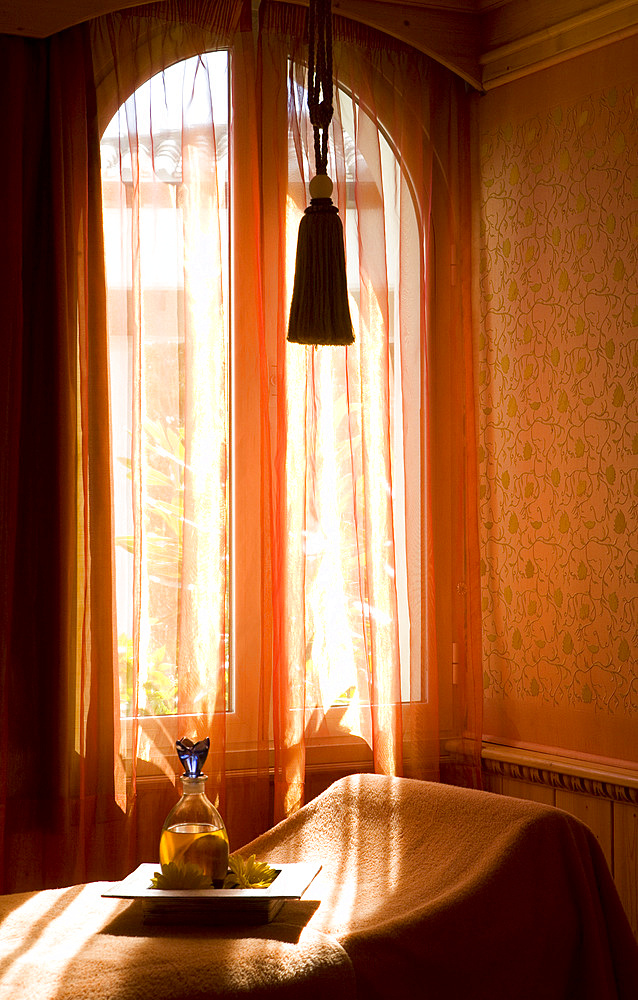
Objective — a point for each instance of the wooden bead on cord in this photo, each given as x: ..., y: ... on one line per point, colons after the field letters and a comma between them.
x: 321, y: 186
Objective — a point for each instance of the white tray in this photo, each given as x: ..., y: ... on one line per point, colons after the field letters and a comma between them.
x: 216, y: 906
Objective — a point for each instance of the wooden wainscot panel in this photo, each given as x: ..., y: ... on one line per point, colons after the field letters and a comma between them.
x: 528, y: 790
x: 596, y: 813
x: 626, y: 858
x: 603, y: 797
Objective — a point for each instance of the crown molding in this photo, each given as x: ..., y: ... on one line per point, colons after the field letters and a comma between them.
x: 521, y: 39
x: 486, y: 42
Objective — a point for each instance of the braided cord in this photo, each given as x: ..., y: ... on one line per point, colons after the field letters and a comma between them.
x: 320, y: 78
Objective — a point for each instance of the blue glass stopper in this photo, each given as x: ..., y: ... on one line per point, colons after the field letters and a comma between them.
x: 192, y: 755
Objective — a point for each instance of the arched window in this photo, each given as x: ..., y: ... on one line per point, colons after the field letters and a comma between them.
x: 168, y: 202
x: 274, y: 528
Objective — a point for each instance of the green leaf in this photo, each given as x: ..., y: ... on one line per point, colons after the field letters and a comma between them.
x: 153, y: 477
x: 126, y: 542
x: 619, y: 396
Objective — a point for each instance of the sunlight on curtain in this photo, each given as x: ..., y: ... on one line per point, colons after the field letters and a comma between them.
x: 166, y: 190
x: 355, y: 609
x: 185, y: 329
x: 298, y: 610
x: 351, y: 456
x: 352, y: 440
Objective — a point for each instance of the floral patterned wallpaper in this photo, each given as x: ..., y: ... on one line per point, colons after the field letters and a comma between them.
x: 558, y: 399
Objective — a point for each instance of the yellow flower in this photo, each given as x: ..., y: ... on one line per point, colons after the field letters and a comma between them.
x: 250, y: 874
x: 176, y: 876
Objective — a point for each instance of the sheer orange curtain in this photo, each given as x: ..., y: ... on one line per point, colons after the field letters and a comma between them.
x: 357, y: 534
x: 179, y: 137
x: 374, y: 467
x: 365, y: 594
x: 58, y: 817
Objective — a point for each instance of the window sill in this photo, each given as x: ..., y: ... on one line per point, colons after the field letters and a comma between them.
x: 157, y: 756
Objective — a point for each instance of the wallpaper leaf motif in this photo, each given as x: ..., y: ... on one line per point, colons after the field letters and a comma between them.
x: 558, y: 390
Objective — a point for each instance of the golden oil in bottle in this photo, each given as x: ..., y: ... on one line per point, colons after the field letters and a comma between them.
x: 199, y: 844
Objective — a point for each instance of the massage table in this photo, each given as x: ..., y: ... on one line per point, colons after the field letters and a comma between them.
x: 425, y: 890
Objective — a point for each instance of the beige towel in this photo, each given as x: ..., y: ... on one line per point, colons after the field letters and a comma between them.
x: 72, y: 944
x: 443, y: 892
x: 426, y: 891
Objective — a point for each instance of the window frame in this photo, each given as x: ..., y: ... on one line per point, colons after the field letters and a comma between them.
x: 326, y: 743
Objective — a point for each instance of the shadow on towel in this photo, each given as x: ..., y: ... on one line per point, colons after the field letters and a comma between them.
x: 287, y: 925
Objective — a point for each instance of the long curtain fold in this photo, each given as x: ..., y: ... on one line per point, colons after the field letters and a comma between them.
x: 58, y: 814
x: 176, y: 97
x: 274, y: 546
x: 373, y: 590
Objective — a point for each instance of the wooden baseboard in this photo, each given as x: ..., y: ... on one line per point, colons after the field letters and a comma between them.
x: 554, y: 771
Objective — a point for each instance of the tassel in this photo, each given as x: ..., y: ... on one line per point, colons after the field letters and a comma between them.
x: 319, y: 310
